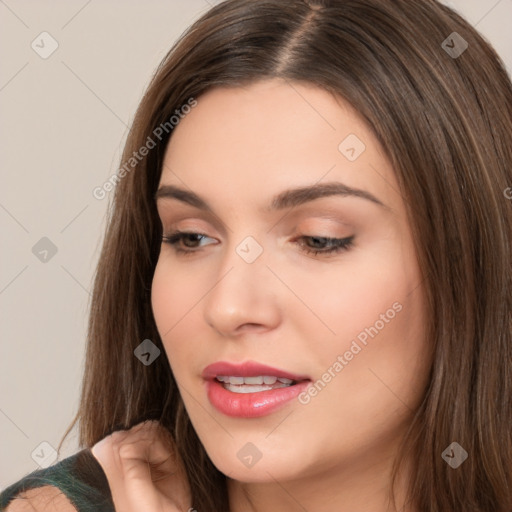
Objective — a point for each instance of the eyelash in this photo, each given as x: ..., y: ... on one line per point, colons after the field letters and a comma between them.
x: 338, y: 245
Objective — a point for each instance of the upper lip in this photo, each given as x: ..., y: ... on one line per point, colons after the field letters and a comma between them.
x: 247, y: 369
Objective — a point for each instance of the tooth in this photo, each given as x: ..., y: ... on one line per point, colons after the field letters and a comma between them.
x: 223, y: 378
x: 253, y: 380
x: 285, y: 380
x: 252, y: 389
x: 269, y: 380
x: 236, y: 380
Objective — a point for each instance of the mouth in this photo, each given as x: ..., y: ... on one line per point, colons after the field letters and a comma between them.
x: 251, y: 389
x: 254, y: 384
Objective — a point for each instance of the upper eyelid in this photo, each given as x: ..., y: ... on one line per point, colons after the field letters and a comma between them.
x: 327, y: 216
x: 306, y: 210
x: 204, y: 217
x: 305, y: 232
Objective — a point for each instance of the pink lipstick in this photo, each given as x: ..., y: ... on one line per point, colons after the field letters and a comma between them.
x: 250, y: 389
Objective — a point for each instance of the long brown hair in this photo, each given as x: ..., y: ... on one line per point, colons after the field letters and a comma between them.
x: 444, y: 121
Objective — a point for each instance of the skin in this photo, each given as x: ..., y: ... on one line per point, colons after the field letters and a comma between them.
x: 295, y: 311
x: 143, y: 469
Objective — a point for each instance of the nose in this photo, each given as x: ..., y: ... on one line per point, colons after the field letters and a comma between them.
x: 244, y: 298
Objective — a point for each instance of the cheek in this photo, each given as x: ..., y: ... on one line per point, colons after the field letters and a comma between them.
x: 385, y: 359
x: 178, y: 294
x: 375, y: 312
x: 172, y: 299
x: 162, y: 300
x: 175, y: 294
x: 353, y: 295
x: 161, y: 296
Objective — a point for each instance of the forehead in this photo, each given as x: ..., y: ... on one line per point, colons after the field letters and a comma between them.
x: 246, y: 143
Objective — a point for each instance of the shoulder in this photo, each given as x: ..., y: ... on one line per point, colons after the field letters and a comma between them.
x: 74, y: 483
x: 43, y: 499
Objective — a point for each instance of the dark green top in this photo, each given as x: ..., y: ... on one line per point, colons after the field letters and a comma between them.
x: 80, y: 477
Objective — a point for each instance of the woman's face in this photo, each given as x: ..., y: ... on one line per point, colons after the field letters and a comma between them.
x: 349, y: 325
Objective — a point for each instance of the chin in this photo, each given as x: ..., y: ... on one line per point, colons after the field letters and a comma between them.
x: 261, y: 472
x: 254, y: 461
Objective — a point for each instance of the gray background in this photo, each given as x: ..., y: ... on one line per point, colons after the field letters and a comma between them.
x: 64, y: 121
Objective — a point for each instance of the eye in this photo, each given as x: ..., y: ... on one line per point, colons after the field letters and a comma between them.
x: 321, y: 245
x: 181, y: 236
x: 334, y: 245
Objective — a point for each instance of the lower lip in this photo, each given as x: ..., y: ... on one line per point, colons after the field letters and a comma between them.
x: 251, y: 405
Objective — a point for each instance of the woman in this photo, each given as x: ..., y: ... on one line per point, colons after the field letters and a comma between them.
x: 305, y: 282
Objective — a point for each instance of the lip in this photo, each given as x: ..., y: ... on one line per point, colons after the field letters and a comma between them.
x: 250, y: 405
x: 247, y: 369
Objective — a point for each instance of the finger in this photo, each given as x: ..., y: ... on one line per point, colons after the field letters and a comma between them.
x: 150, y: 462
x: 149, y: 442
x: 144, y: 469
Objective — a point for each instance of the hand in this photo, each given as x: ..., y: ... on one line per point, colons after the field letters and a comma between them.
x: 144, y: 470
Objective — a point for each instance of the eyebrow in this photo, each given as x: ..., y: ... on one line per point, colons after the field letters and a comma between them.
x: 286, y: 199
